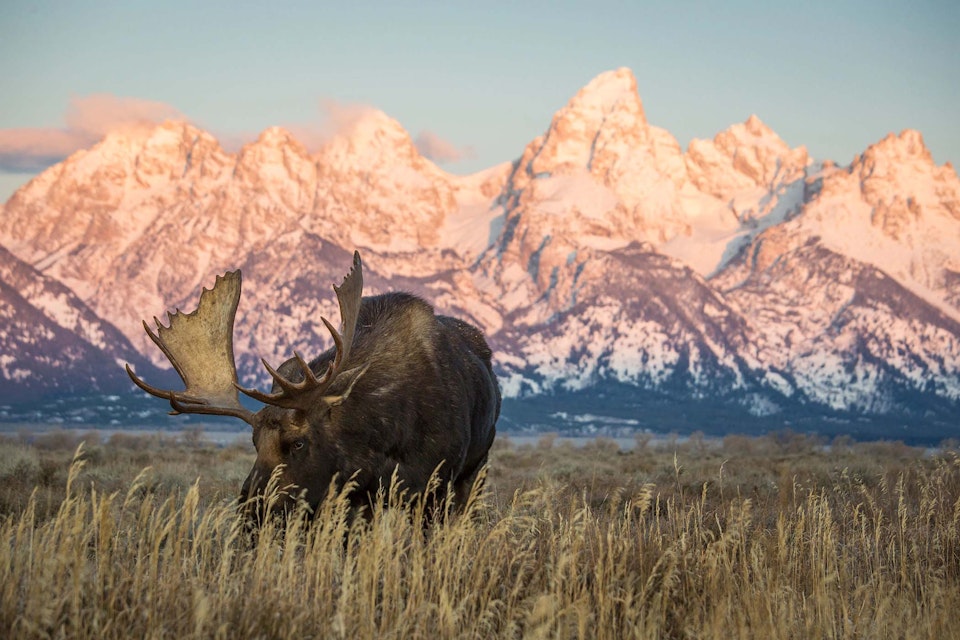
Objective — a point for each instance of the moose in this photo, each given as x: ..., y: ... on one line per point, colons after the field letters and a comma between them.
x: 402, y: 395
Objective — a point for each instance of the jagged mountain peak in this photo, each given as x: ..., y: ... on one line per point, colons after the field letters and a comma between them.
x: 136, y: 138
x: 124, y: 149
x: 278, y: 163
x: 891, y: 208
x: 606, y: 116
x: 752, y: 132
x: 374, y: 124
x: 601, y: 172
x: 274, y: 146
x: 604, y: 254
x: 277, y: 136
x: 905, y: 148
x: 894, y: 167
x: 370, y: 138
x: 102, y: 194
x: 147, y: 153
x: 608, y: 92
x: 756, y: 126
x: 744, y: 156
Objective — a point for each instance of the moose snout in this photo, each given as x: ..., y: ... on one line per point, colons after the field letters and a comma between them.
x: 260, y: 499
x: 251, y: 502
x: 252, y: 487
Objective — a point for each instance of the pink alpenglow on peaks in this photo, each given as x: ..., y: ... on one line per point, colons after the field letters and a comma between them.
x: 87, y: 120
x: 740, y: 270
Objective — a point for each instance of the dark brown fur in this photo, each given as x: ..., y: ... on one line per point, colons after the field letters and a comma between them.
x: 420, y: 395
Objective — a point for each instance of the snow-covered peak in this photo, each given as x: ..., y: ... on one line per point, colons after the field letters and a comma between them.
x: 275, y: 146
x: 370, y: 173
x: 375, y: 126
x: 907, y: 145
x: 277, y: 137
x: 743, y: 156
x: 897, y: 164
x: 604, y: 119
x: 149, y: 154
x: 127, y: 165
x: 892, y: 208
x: 756, y: 126
x: 900, y: 167
x: 169, y: 136
x: 753, y: 133
x: 277, y: 164
x: 608, y: 92
x: 559, y: 255
x: 601, y: 176
x: 372, y: 138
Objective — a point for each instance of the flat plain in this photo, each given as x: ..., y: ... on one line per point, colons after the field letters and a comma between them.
x: 780, y: 536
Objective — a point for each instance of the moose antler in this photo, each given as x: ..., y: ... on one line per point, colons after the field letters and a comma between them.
x: 309, y: 391
x: 199, y: 345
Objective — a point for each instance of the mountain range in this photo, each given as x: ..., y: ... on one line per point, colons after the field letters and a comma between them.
x: 736, y: 284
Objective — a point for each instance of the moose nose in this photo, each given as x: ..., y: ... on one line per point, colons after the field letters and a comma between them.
x: 250, y: 504
x: 246, y: 491
x: 252, y: 488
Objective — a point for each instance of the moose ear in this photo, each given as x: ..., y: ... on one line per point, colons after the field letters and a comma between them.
x: 350, y: 377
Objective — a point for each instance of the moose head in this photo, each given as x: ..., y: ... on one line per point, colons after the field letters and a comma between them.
x: 293, y: 428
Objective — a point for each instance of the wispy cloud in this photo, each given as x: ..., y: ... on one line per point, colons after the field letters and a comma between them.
x: 335, y: 117
x: 441, y: 151
x: 30, y: 150
x: 87, y: 120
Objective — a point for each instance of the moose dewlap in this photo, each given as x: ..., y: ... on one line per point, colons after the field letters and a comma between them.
x: 402, y: 393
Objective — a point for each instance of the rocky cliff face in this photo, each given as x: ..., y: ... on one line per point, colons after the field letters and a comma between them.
x: 739, y: 272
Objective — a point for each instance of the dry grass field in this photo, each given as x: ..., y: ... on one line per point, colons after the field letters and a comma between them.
x: 773, y: 537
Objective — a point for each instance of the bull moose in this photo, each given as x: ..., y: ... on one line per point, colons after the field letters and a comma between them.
x: 401, y: 394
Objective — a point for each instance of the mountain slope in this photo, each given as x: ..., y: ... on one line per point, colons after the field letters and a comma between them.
x: 51, y: 343
x: 846, y: 334
x: 739, y: 274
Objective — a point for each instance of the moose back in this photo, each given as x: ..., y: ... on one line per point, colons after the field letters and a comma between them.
x: 402, y: 393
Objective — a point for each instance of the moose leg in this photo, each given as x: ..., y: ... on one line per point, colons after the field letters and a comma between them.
x: 468, y: 482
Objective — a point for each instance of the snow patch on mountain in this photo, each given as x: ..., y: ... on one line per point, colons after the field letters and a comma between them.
x: 739, y: 270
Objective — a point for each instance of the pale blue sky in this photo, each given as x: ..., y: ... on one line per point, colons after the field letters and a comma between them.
x: 835, y: 76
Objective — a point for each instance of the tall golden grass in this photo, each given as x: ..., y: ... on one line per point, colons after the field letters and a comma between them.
x: 747, y: 540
